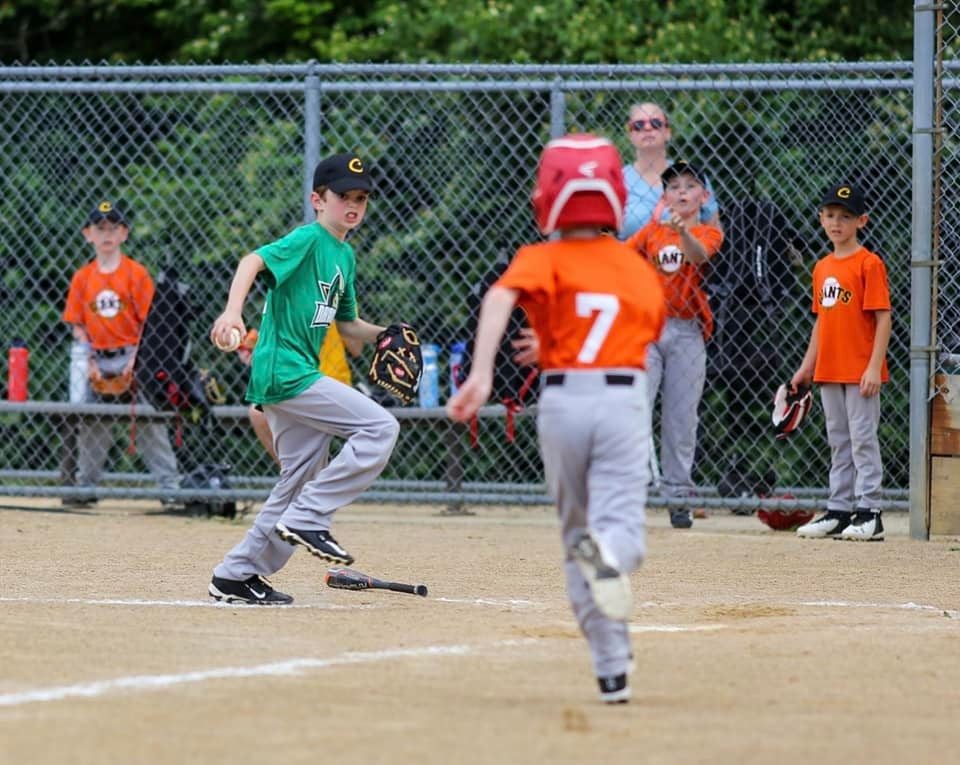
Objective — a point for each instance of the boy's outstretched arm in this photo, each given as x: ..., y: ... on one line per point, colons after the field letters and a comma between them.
x: 804, y: 375
x: 249, y: 266
x: 870, y: 380
x: 495, y: 313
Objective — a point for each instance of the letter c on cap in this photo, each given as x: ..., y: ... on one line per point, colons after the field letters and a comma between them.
x: 843, y: 192
x: 105, y: 207
x: 355, y: 165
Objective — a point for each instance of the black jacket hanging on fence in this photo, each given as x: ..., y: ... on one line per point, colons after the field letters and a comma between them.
x: 752, y: 281
x: 165, y: 373
x: 170, y: 381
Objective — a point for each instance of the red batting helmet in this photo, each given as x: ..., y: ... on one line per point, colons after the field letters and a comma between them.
x: 579, y: 183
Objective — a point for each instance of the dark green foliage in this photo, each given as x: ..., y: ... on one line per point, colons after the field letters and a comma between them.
x: 525, y: 31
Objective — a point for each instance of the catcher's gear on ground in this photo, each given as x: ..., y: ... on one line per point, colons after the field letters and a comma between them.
x: 397, y: 363
x: 790, y: 408
x: 579, y: 183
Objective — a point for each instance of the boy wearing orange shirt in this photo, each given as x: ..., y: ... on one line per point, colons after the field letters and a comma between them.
x: 847, y: 358
x: 106, y: 307
x: 680, y: 248
x: 595, y: 308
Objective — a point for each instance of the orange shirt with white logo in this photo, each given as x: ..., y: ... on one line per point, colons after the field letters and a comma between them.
x: 110, y: 307
x: 681, y: 280
x: 846, y: 292
x: 592, y: 302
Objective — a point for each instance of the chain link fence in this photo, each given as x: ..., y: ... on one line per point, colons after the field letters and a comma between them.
x: 214, y: 161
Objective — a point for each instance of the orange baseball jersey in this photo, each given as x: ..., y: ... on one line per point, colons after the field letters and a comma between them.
x: 110, y: 307
x: 846, y: 292
x: 681, y: 281
x: 592, y: 302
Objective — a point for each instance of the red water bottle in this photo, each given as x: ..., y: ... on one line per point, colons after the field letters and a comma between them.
x: 18, y: 371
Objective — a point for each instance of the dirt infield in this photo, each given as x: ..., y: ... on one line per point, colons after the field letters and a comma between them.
x: 752, y: 646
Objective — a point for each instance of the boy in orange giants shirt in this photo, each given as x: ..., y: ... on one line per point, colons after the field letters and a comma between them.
x: 595, y: 308
x: 677, y: 364
x: 847, y: 357
x: 106, y: 307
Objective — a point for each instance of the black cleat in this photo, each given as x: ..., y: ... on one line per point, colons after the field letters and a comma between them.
x: 256, y: 591
x: 319, y: 543
x: 614, y: 689
x: 681, y: 518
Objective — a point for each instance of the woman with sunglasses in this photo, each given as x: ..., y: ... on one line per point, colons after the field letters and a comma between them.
x: 649, y: 132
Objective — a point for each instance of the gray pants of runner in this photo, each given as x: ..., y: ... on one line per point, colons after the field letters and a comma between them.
x: 152, y: 441
x: 856, y: 469
x: 677, y: 368
x: 594, y: 439
x: 311, y: 489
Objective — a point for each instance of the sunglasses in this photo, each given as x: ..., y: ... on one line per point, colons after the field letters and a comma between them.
x: 655, y: 123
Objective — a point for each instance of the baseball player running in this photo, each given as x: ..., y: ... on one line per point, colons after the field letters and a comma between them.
x: 595, y: 307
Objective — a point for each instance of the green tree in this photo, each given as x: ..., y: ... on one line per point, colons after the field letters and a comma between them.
x: 522, y: 31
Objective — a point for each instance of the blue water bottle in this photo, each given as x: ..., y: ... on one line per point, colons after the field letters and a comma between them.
x: 457, y: 350
x: 430, y: 381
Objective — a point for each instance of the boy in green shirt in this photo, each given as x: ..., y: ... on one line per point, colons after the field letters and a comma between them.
x: 310, y: 275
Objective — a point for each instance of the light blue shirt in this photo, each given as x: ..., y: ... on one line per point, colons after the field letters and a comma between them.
x: 642, y: 198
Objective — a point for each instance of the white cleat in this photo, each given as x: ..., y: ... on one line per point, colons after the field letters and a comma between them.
x: 866, y: 526
x: 830, y: 524
x: 610, y: 587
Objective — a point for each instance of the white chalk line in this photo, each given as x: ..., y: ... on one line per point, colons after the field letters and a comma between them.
x: 497, y: 602
x: 676, y: 627
x: 892, y: 606
x: 274, y: 669
x: 508, y: 602
x: 189, y: 603
x: 909, y: 606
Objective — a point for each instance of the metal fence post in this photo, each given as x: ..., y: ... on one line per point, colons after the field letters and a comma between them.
x: 311, y: 137
x: 557, y: 109
x: 921, y: 270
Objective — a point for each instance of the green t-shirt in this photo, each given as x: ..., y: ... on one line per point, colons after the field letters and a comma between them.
x: 310, y: 275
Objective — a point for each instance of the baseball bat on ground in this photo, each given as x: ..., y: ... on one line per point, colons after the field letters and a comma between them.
x: 348, y: 579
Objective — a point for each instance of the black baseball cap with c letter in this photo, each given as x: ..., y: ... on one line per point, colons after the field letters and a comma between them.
x: 107, y: 210
x: 846, y: 195
x: 342, y: 173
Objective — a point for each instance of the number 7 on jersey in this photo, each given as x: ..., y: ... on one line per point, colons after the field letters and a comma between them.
x: 606, y: 307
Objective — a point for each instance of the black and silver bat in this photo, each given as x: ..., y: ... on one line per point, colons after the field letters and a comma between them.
x: 348, y: 579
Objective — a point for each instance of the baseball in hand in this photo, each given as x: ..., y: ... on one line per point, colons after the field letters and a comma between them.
x: 233, y: 342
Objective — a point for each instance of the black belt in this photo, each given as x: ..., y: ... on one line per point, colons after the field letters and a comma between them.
x: 110, y: 353
x: 559, y: 378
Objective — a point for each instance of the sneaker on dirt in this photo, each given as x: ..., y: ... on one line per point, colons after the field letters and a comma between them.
x: 256, y: 591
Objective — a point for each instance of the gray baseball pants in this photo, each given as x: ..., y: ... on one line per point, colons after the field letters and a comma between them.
x: 594, y: 438
x: 311, y: 488
x: 677, y: 368
x: 856, y: 469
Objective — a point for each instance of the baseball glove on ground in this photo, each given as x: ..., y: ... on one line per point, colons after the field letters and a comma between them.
x: 397, y: 363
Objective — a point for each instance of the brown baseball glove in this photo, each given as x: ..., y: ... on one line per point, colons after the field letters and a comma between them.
x: 397, y: 363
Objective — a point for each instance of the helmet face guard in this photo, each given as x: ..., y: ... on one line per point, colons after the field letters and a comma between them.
x: 579, y: 183
x: 790, y: 409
